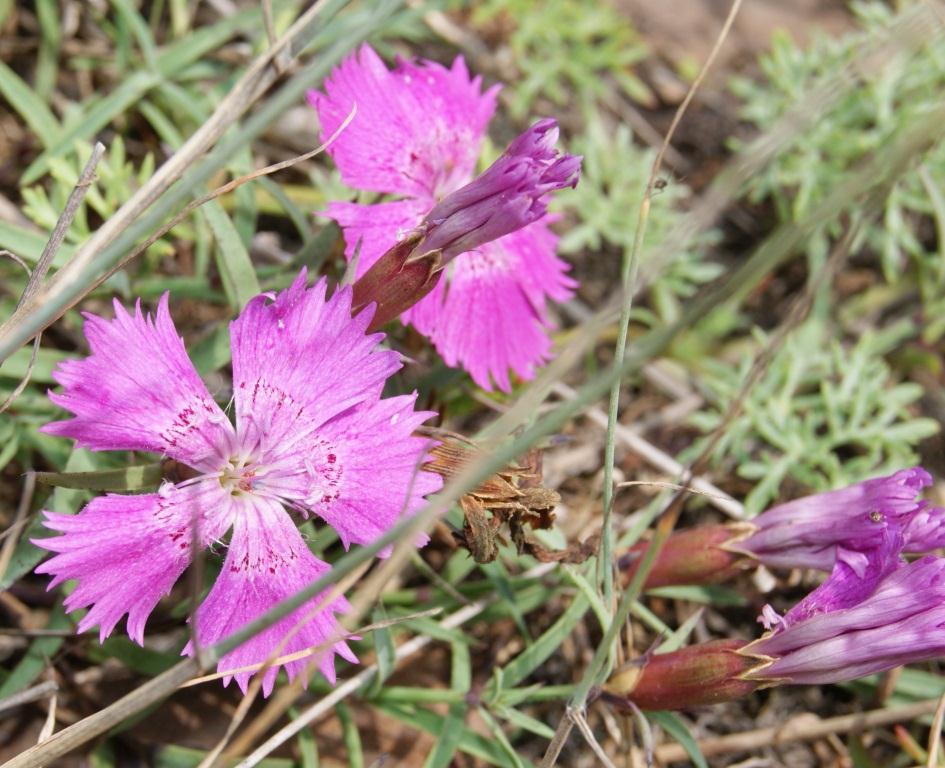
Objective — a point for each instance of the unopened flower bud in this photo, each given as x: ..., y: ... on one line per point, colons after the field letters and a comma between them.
x: 708, y: 673
x: 510, y: 194
x: 396, y: 282
x: 694, y: 556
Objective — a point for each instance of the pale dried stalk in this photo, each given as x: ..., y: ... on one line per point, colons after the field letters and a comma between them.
x: 70, y: 283
x: 798, y: 729
x: 659, y: 459
x: 935, y: 736
x: 29, y: 695
x: 352, y: 684
x: 22, y: 509
x: 581, y: 722
x: 226, y: 189
x: 579, y: 699
x: 63, y: 223
x: 48, y: 255
x: 629, y: 272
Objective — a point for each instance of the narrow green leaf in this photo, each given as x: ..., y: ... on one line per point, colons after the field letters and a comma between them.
x: 447, y: 742
x: 11, y: 446
x: 470, y: 742
x: 676, y: 640
x: 128, y: 479
x: 676, y: 728
x: 447, y: 739
x: 710, y: 594
x: 296, y: 215
x: 139, y: 28
x: 236, y: 268
x: 47, y: 64
x: 499, y: 735
x: 37, y: 657
x: 408, y: 695
x: 17, y: 364
x: 538, y: 652
x: 308, y: 749
x: 27, y: 555
x: 497, y: 574
x: 29, y: 107
x: 526, y: 722
x: 350, y: 735
x: 174, y: 756
x: 28, y: 245
x: 384, y: 652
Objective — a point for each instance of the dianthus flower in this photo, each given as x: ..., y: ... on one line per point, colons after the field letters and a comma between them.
x: 865, y: 525
x: 417, y: 134
x: 899, y: 620
x: 312, y: 434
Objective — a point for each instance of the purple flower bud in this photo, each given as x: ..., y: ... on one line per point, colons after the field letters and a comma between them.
x: 510, y: 194
x: 900, y: 622
x: 847, y: 524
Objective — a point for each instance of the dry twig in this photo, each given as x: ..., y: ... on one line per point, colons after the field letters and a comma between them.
x: 799, y: 729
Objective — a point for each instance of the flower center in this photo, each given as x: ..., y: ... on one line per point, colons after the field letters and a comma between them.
x: 240, y: 475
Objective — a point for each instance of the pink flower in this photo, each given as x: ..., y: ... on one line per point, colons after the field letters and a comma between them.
x: 312, y: 434
x: 417, y: 134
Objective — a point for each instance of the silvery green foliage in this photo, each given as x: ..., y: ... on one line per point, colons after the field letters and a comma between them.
x: 908, y: 239
x: 565, y: 47
x: 605, y: 206
x: 822, y: 414
x: 116, y: 180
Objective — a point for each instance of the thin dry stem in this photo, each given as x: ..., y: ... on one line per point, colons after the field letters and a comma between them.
x: 412, y: 646
x: 22, y: 510
x: 628, y: 282
x: 29, y: 695
x: 799, y: 729
x: 667, y: 522
x: 63, y: 223
x: 226, y: 189
x: 935, y: 735
x: 71, y: 283
x: 660, y: 459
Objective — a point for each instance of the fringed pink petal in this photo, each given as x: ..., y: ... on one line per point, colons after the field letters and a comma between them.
x: 417, y: 130
x: 491, y: 316
x: 299, y: 360
x: 138, y: 390
x: 267, y: 562
x: 371, y: 230
x: 360, y: 472
x: 126, y: 552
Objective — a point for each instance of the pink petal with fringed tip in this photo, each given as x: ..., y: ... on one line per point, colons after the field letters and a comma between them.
x: 490, y: 316
x: 300, y: 360
x: 139, y: 391
x: 267, y: 562
x: 126, y: 552
x: 417, y: 130
x: 361, y: 471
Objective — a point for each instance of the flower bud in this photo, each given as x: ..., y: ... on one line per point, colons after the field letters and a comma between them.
x: 396, y: 282
x: 694, y: 556
x: 510, y: 194
x: 708, y: 673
